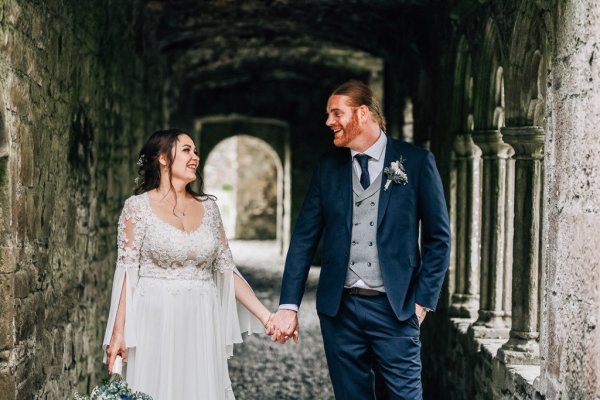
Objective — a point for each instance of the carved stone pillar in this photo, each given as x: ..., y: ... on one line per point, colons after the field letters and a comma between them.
x: 523, y: 347
x: 494, y: 316
x: 465, y: 299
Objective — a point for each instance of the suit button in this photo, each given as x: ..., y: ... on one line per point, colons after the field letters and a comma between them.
x: 368, y: 264
x: 371, y: 223
x: 370, y: 243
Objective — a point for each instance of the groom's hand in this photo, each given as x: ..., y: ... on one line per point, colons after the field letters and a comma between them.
x: 421, y: 313
x: 285, y: 323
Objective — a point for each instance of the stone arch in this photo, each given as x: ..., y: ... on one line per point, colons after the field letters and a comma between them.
x: 527, y: 66
x: 210, y: 131
x: 496, y: 218
x: 489, y: 104
x: 463, y: 86
x: 525, y: 113
x: 465, y: 211
x: 251, y: 167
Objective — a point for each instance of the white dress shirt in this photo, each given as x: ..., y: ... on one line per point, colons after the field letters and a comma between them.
x: 377, y: 157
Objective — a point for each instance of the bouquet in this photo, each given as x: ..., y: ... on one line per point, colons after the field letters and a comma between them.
x: 115, y: 388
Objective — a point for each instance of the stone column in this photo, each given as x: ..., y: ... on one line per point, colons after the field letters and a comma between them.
x: 465, y: 299
x: 523, y: 346
x: 494, y: 317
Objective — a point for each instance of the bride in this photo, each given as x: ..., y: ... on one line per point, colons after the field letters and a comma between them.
x: 173, y: 313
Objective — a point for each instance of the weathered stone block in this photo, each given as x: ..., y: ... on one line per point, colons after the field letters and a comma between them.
x: 7, y: 386
x: 21, y: 284
x: 6, y: 311
x: 25, y: 318
x: 7, y: 260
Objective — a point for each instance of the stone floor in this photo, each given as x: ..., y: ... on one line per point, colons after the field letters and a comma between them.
x: 261, y: 369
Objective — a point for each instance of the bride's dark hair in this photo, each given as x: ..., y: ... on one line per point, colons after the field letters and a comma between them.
x: 162, y: 142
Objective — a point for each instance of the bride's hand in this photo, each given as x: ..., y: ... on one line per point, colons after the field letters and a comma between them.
x: 267, y: 322
x: 115, y: 348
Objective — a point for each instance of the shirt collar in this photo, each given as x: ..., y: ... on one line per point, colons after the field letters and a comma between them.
x: 376, y: 150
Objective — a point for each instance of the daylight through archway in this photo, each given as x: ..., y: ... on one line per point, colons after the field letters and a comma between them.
x: 245, y: 174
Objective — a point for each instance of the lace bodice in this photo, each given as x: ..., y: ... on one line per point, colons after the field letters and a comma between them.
x: 160, y: 250
x: 149, y: 247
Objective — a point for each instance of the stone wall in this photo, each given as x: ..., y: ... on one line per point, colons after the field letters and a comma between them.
x: 457, y: 366
x: 570, y: 340
x: 76, y: 99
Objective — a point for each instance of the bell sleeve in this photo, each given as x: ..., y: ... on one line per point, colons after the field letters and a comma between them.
x: 129, y: 239
x: 236, y: 318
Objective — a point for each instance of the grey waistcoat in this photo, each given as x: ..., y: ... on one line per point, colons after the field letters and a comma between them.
x: 363, y: 262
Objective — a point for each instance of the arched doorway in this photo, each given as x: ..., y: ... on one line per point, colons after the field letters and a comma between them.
x: 246, y: 164
x: 245, y: 174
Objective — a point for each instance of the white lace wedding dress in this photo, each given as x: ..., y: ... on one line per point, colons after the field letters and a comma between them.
x: 182, y: 318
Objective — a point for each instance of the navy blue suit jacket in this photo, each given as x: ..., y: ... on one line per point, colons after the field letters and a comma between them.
x: 410, y: 276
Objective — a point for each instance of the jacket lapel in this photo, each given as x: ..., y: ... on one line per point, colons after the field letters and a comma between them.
x: 384, y: 195
x: 345, y: 180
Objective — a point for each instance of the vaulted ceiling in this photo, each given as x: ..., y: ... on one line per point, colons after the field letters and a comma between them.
x: 219, y: 43
x: 281, y: 58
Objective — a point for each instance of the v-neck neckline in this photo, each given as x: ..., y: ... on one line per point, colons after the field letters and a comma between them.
x: 155, y: 215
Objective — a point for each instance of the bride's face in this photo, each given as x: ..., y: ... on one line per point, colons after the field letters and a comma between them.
x: 185, y: 160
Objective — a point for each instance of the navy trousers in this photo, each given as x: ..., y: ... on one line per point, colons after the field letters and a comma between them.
x: 365, y: 336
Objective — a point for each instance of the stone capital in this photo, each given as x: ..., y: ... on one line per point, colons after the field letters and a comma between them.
x: 491, y: 144
x: 464, y: 147
x: 528, y: 141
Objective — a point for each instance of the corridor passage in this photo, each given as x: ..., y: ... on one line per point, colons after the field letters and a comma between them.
x: 505, y: 94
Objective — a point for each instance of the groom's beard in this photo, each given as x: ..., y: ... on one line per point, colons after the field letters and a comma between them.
x: 349, y: 132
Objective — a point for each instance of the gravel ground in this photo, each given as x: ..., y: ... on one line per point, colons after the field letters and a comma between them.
x: 261, y: 369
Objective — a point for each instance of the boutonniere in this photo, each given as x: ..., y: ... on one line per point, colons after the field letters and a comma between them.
x: 396, y: 173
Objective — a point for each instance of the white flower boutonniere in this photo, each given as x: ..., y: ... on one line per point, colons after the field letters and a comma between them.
x: 396, y: 173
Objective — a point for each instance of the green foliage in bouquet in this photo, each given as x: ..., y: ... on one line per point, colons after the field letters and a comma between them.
x: 115, y: 388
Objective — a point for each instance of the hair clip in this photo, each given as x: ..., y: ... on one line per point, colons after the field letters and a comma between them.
x: 141, y: 161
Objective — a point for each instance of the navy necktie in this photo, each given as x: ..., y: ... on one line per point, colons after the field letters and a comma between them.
x: 365, y: 179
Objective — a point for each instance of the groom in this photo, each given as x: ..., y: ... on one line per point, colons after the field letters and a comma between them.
x: 368, y: 198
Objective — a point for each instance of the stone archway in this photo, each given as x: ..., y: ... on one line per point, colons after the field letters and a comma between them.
x: 244, y: 172
x: 266, y: 141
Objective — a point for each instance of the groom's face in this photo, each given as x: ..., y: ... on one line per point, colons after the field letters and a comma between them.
x: 343, y: 121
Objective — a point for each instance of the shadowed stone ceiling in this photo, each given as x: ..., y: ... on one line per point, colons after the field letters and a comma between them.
x: 220, y: 43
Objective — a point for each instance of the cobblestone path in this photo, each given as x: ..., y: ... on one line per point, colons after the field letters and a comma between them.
x: 263, y: 370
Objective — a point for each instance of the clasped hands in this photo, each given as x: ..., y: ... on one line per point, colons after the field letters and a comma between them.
x: 282, y: 326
